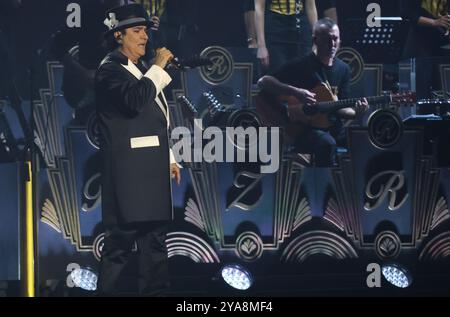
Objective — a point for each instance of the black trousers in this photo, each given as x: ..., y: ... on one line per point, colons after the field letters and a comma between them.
x: 319, y: 143
x: 281, y: 53
x: 322, y: 144
x: 153, y: 272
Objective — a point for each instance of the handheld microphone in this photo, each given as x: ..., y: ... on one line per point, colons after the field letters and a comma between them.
x: 174, y: 63
x: 178, y: 64
x: 192, y: 62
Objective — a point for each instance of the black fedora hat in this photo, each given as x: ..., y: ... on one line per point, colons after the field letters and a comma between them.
x: 126, y: 16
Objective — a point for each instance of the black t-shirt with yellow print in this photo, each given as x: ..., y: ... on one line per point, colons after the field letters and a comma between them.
x: 308, y: 72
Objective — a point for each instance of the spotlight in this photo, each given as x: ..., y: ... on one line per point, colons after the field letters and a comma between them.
x: 237, y: 276
x: 84, y: 278
x: 397, y: 275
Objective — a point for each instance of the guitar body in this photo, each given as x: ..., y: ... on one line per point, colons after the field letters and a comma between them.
x: 289, y: 112
x: 295, y: 117
x: 273, y: 113
x: 318, y: 120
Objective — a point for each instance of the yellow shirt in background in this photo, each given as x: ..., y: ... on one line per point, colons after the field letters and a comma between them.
x: 286, y: 7
x: 435, y: 7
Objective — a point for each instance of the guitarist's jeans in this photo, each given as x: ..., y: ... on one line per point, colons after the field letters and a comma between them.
x: 321, y: 144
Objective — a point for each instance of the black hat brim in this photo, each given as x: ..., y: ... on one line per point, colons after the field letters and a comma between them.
x: 148, y: 24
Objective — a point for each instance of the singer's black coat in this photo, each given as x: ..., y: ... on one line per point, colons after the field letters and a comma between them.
x: 135, y: 181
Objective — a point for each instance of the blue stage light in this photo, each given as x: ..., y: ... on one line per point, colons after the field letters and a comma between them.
x: 237, y: 276
x: 84, y: 278
x: 397, y: 275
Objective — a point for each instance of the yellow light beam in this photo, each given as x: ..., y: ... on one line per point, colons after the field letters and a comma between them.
x: 29, y: 227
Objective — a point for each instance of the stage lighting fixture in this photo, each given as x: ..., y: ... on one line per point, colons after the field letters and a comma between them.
x: 84, y: 278
x: 397, y: 275
x: 237, y: 276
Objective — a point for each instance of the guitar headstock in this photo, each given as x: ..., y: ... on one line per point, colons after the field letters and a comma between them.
x: 214, y: 105
x: 402, y: 98
x: 187, y: 107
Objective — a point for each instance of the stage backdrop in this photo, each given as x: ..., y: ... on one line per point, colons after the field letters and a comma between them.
x: 385, y: 201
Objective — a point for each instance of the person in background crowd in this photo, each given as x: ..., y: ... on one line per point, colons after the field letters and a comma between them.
x: 427, y: 37
x: 281, y: 30
x: 249, y: 19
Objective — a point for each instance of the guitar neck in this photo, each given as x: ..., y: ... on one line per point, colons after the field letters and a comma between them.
x: 329, y: 106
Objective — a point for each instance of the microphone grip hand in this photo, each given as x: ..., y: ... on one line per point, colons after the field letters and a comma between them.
x: 163, y: 57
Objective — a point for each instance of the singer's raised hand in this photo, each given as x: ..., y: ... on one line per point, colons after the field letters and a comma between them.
x: 163, y: 57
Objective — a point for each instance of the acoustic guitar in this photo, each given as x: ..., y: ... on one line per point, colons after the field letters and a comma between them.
x: 295, y: 116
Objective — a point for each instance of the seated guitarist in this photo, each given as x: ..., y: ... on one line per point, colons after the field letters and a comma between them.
x: 299, y: 76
